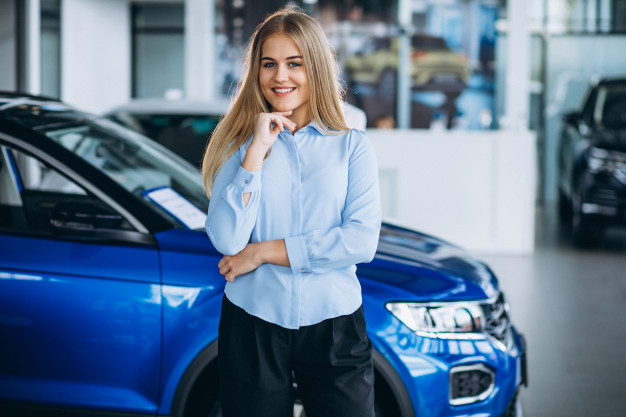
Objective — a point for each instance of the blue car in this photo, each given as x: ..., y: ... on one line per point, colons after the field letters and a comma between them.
x: 110, y: 293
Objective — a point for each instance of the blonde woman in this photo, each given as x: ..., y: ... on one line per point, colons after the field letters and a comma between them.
x: 294, y: 205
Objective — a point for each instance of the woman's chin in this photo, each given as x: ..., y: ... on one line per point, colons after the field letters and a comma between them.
x: 281, y: 109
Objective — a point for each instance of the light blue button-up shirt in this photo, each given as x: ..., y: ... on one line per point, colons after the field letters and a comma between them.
x: 320, y: 193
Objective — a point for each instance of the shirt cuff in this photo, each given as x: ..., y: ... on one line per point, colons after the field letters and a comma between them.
x: 247, y: 181
x: 297, y: 254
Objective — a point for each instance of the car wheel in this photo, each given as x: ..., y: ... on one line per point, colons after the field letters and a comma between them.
x: 387, y: 82
x: 584, y: 232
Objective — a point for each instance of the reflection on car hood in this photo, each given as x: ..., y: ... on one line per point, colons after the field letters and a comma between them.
x: 427, y: 267
x: 408, y: 265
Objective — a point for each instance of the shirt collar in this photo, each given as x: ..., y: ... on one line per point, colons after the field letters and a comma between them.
x: 313, y: 124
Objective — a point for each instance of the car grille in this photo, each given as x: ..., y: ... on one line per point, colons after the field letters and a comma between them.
x: 607, y: 191
x: 497, y: 321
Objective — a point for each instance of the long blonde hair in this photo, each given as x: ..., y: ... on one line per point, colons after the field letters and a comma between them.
x: 325, y: 91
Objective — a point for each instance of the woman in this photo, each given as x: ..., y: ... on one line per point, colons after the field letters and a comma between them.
x: 294, y: 206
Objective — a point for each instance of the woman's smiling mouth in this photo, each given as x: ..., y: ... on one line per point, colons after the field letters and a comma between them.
x: 283, y: 90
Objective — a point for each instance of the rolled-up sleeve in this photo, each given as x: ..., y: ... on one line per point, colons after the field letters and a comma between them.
x: 356, y: 239
x: 229, y: 222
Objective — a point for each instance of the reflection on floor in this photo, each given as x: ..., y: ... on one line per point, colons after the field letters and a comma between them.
x: 571, y: 306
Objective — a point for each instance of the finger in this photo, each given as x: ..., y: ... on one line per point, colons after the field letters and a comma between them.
x: 289, y: 124
x: 225, y: 261
x: 277, y: 126
x: 230, y: 277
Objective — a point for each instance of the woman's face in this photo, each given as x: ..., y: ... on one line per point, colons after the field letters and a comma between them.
x: 282, y: 78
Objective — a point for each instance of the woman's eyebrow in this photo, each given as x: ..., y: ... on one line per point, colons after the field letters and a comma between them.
x: 289, y: 57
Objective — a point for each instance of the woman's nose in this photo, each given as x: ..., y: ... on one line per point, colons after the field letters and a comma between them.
x: 281, y: 73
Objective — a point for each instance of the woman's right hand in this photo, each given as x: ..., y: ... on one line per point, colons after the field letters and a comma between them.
x: 267, y: 126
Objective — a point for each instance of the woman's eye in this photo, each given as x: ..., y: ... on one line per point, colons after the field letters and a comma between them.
x: 294, y: 64
x: 269, y: 65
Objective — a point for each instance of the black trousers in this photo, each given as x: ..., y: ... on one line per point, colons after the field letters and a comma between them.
x: 331, y: 360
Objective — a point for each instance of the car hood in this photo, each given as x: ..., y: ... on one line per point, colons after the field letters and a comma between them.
x: 426, y: 268
x: 408, y: 265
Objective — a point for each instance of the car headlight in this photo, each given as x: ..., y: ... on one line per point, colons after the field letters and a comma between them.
x: 603, y: 160
x: 445, y: 320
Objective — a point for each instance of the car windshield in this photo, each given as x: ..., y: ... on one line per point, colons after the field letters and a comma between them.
x: 184, y: 134
x: 611, y: 106
x: 135, y: 162
x: 428, y: 43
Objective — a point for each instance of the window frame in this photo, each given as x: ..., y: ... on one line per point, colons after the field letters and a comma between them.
x: 140, y: 235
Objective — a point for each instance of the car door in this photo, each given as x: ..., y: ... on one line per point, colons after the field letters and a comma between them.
x: 80, y: 312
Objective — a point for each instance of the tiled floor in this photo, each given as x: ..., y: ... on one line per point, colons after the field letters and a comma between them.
x: 571, y: 306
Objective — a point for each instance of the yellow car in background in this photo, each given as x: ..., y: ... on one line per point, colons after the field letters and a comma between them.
x: 434, y: 65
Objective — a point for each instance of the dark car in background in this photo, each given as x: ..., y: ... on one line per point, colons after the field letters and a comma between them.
x: 183, y: 126
x: 434, y: 66
x: 110, y: 294
x: 592, y: 162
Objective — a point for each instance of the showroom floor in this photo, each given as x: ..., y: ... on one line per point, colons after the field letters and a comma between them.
x: 571, y: 306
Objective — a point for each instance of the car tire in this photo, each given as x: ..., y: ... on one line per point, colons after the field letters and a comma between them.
x: 585, y: 233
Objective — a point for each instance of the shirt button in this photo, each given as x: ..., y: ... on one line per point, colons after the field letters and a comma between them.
x: 247, y: 181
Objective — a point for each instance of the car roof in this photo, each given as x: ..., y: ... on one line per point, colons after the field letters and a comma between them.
x: 9, y: 95
x: 13, y: 98
x: 604, y: 80
x: 217, y: 106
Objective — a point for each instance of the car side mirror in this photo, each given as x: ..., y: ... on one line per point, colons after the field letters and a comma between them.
x: 82, y: 218
x: 572, y: 118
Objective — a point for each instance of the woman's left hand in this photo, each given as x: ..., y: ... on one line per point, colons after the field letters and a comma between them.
x: 242, y: 263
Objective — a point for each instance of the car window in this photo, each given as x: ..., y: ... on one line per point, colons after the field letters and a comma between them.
x: 382, y: 43
x: 36, y: 176
x: 201, y: 126
x: 589, y: 105
x: 185, y: 134
x: 11, y: 214
x: 611, y: 108
x: 428, y: 43
x: 40, y: 190
x: 138, y: 164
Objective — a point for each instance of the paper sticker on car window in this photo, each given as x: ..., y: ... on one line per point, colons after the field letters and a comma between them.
x: 175, y: 204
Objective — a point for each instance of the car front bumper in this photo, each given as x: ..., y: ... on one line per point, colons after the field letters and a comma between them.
x: 603, y: 197
x: 427, y: 365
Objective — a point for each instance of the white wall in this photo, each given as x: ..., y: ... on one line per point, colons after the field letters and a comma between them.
x: 95, y: 53
x: 474, y: 189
